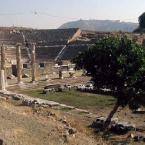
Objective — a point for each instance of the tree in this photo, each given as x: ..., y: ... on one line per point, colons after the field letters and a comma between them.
x: 141, y: 20
x: 117, y: 64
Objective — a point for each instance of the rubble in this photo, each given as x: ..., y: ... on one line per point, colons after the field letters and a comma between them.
x: 71, y: 130
x: 138, y: 138
x: 36, y: 102
x: 56, y: 88
x: 119, y: 128
x: 64, y: 121
x: 29, y: 101
x: 89, y: 87
x: 51, y: 114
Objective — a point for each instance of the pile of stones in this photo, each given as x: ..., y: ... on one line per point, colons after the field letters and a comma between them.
x: 116, y: 127
x: 85, y: 88
x: 89, y: 87
x: 69, y: 131
x: 29, y: 101
x: 36, y: 102
x: 56, y: 88
x: 139, y: 138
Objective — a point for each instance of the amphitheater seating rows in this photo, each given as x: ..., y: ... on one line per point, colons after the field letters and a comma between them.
x: 72, y: 50
x: 49, y: 37
x: 11, y: 53
x: 47, y: 52
x: 10, y: 37
x: 48, y: 42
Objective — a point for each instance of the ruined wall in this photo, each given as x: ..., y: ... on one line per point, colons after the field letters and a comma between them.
x: 48, y: 45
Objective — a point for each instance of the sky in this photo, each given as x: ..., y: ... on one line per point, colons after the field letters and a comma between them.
x: 48, y: 14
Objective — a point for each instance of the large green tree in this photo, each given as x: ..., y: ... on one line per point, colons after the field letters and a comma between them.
x: 117, y: 64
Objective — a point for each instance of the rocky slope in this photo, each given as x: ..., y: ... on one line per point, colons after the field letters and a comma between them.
x: 22, y: 125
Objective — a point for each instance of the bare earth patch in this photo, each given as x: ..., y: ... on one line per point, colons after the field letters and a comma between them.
x: 21, y: 125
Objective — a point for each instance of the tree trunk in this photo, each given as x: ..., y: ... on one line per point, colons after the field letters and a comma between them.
x: 108, y: 120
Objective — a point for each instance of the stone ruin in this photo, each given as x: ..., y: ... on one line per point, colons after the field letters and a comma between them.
x: 32, y: 52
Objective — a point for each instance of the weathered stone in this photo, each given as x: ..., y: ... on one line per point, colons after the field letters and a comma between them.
x: 138, y: 138
x: 82, y: 111
x: 64, y: 121
x: 66, y: 106
x: 116, y: 127
x: 33, y: 63
x: 71, y: 130
x: 19, y: 63
x: 51, y: 114
x: 2, y: 72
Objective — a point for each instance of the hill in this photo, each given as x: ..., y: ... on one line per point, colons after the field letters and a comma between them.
x: 101, y: 25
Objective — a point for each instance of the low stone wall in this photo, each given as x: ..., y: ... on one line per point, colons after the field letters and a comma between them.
x: 36, y: 102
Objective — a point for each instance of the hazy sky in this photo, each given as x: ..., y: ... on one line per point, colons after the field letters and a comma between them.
x: 52, y: 13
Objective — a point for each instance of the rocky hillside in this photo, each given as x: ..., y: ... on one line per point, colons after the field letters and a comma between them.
x: 21, y: 125
x: 101, y: 25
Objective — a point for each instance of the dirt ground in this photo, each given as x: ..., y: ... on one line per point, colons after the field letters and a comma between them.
x: 21, y: 125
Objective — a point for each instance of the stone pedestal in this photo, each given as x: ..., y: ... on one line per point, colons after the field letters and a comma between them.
x: 19, y: 64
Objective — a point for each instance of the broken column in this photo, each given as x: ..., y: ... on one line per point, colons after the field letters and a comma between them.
x: 19, y: 63
x: 60, y: 69
x: 2, y: 73
x: 33, y: 63
x: 60, y: 73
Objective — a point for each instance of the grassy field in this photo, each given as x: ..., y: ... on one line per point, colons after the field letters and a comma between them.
x: 74, y: 98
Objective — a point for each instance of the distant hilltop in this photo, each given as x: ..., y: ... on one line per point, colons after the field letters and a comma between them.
x: 101, y: 25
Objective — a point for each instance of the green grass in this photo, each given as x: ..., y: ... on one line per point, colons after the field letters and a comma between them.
x: 74, y: 98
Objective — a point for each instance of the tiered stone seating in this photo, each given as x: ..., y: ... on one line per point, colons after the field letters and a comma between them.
x: 11, y: 53
x: 48, y: 42
x: 49, y: 37
x: 47, y: 52
x: 24, y: 54
x: 72, y: 51
x: 10, y: 37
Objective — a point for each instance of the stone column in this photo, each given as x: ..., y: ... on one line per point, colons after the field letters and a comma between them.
x: 2, y: 73
x: 33, y: 63
x: 19, y: 64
